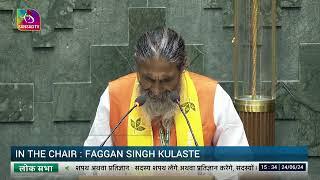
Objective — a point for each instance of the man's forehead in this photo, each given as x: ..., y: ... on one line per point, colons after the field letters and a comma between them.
x: 156, y: 63
x: 157, y: 66
x: 156, y: 75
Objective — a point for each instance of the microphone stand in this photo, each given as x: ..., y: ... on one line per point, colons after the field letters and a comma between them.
x: 174, y: 96
x: 188, y: 122
x: 136, y: 105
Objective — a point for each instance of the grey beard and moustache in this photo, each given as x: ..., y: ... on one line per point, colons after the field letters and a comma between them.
x: 159, y: 108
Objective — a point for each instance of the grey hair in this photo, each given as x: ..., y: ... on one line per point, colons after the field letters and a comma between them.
x: 162, y: 43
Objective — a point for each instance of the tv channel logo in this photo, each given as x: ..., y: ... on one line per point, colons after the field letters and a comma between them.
x: 28, y: 20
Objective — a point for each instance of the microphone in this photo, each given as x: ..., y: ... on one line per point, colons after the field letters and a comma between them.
x: 174, y: 96
x: 138, y: 102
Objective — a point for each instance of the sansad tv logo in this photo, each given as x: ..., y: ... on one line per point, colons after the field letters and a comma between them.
x: 28, y: 20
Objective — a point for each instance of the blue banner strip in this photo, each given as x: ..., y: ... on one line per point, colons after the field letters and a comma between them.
x: 80, y: 153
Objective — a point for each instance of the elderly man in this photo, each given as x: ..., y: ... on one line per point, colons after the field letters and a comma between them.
x: 160, y: 59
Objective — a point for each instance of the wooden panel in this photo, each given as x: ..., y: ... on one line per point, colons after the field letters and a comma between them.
x: 259, y: 127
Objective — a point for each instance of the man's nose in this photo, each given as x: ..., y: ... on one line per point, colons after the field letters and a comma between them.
x: 156, y: 89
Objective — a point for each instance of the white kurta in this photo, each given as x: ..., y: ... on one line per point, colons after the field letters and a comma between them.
x: 229, y: 128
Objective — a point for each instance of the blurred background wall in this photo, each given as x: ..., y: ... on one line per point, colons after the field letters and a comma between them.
x: 51, y: 81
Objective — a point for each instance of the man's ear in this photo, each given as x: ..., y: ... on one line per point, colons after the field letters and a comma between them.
x: 184, y: 65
